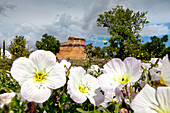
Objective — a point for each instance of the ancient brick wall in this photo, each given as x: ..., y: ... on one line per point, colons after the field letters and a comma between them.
x: 73, y: 49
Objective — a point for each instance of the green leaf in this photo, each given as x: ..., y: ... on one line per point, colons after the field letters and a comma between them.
x: 82, y: 111
x: 106, y: 110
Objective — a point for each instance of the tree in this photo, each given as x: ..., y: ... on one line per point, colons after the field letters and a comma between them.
x: 98, y: 52
x: 89, y: 50
x: 48, y: 43
x: 3, y: 49
x: 156, y: 48
x: 168, y: 52
x: 124, y: 27
x: 18, y: 47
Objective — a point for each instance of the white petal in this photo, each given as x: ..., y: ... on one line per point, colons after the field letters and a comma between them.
x: 77, y: 74
x: 146, y: 65
x: 22, y: 69
x: 165, y: 73
x: 163, y: 96
x: 41, y: 57
x: 159, y: 64
x: 155, y: 75
x: 6, y: 97
x: 153, y: 60
x: 97, y: 99
x: 133, y: 67
x: 93, y: 68
x: 56, y: 78
x: 75, y: 94
x: 115, y: 67
x: 165, y: 60
x: 89, y: 70
x: 49, y: 65
x: 64, y: 62
x: 32, y: 91
x: 143, y: 102
x: 107, y: 83
x: 108, y: 98
x: 92, y: 81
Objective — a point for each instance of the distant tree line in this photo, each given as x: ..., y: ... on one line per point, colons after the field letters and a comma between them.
x: 18, y: 46
x: 154, y: 49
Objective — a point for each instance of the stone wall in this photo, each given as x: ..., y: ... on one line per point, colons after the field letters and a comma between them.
x: 72, y: 49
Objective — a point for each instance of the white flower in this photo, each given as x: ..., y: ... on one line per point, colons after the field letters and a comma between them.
x: 145, y: 69
x: 155, y: 74
x: 146, y: 66
x: 109, y: 98
x: 120, y: 73
x: 82, y: 86
x: 165, y: 72
x: 95, y: 70
x: 65, y: 63
x: 161, y: 71
x: 127, y: 93
x: 6, y: 98
x: 150, y: 100
x: 38, y: 75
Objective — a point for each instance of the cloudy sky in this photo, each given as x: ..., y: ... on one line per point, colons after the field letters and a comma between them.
x: 64, y: 18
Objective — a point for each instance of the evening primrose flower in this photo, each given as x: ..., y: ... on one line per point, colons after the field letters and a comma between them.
x: 82, y: 86
x: 155, y: 71
x: 65, y: 64
x: 38, y: 75
x: 110, y: 98
x: 165, y: 73
x: 118, y: 73
x: 6, y: 98
x: 150, y: 100
x: 161, y: 71
x: 95, y: 70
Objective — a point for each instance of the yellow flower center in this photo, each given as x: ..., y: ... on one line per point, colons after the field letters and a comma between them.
x: 162, y: 81
x: 83, y: 88
x: 122, y: 79
x: 40, y: 76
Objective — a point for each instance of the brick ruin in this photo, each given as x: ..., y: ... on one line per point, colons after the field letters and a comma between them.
x: 72, y: 49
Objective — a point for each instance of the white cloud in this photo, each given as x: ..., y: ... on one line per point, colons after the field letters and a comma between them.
x: 64, y: 18
x: 156, y: 30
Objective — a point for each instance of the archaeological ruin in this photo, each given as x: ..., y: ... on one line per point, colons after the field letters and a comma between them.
x: 72, y: 49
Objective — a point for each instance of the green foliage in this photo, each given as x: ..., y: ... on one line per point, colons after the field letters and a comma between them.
x: 48, y: 43
x: 17, y: 106
x: 89, y: 50
x: 156, y: 48
x: 7, y: 83
x: 18, y: 47
x: 124, y: 27
x: 168, y: 51
x: 94, y: 52
x: 98, y: 52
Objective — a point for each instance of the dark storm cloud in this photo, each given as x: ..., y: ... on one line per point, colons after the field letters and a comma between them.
x: 64, y: 18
